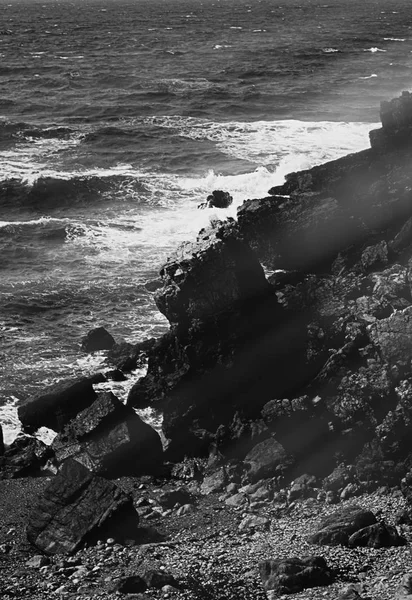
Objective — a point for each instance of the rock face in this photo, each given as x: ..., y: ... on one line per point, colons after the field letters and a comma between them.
x: 75, y: 504
x: 57, y: 405
x: 97, y: 339
x: 110, y: 439
x: 341, y: 525
x: 292, y: 575
x: 318, y: 355
x: 1, y: 441
x: 226, y: 338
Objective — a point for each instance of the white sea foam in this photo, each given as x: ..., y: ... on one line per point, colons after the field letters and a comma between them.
x: 394, y: 39
x: 369, y: 76
x: 374, y: 49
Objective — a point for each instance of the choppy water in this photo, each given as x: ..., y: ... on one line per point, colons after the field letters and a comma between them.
x: 118, y: 118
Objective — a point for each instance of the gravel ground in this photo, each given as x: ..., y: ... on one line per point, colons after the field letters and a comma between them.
x: 204, y: 550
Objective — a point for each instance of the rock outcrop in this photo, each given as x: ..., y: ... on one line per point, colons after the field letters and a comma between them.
x: 229, y: 340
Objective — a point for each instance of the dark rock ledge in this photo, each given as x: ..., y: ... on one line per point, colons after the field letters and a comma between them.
x: 281, y: 395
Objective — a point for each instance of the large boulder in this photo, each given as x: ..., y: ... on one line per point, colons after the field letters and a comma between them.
x: 267, y: 459
x: 97, y: 339
x: 57, y: 405
x: 110, y: 439
x: 378, y: 535
x: 338, y: 527
x: 75, y: 504
x: 292, y: 575
x: 26, y: 456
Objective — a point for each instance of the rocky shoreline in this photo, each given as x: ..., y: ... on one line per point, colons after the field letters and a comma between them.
x: 285, y: 384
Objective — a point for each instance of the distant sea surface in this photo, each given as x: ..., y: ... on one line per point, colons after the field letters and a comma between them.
x: 117, y: 118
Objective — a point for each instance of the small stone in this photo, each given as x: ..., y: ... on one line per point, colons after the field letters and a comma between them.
x: 38, y: 561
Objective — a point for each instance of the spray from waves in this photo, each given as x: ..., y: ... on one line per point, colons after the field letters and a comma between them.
x: 268, y: 142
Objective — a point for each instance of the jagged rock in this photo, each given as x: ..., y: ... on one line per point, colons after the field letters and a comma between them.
x: 97, y: 339
x: 340, y: 477
x: 378, y: 535
x: 217, y: 199
x: 302, y: 487
x: 267, y: 459
x: 375, y: 256
x: 215, y: 482
x: 209, y: 276
x: 339, y: 526
x: 219, y: 352
x: 1, y: 441
x: 57, y: 405
x: 73, y: 505
x: 404, y: 591
x: 127, y: 357
x: 393, y: 337
x: 292, y: 575
x: 25, y: 456
x: 111, y: 439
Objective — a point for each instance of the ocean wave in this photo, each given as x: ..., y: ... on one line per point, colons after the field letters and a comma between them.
x: 394, y: 39
x: 267, y: 142
x: 374, y: 49
x: 330, y: 50
x: 373, y: 76
x: 58, y: 192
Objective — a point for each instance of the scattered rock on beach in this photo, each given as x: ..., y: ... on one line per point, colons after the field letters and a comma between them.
x: 340, y: 525
x: 74, y: 504
x: 292, y: 575
x: 378, y: 535
x: 110, y: 439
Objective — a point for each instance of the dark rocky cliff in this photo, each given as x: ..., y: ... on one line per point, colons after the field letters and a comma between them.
x: 328, y: 333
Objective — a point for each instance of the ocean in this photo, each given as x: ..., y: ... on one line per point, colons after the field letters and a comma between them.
x: 117, y: 118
